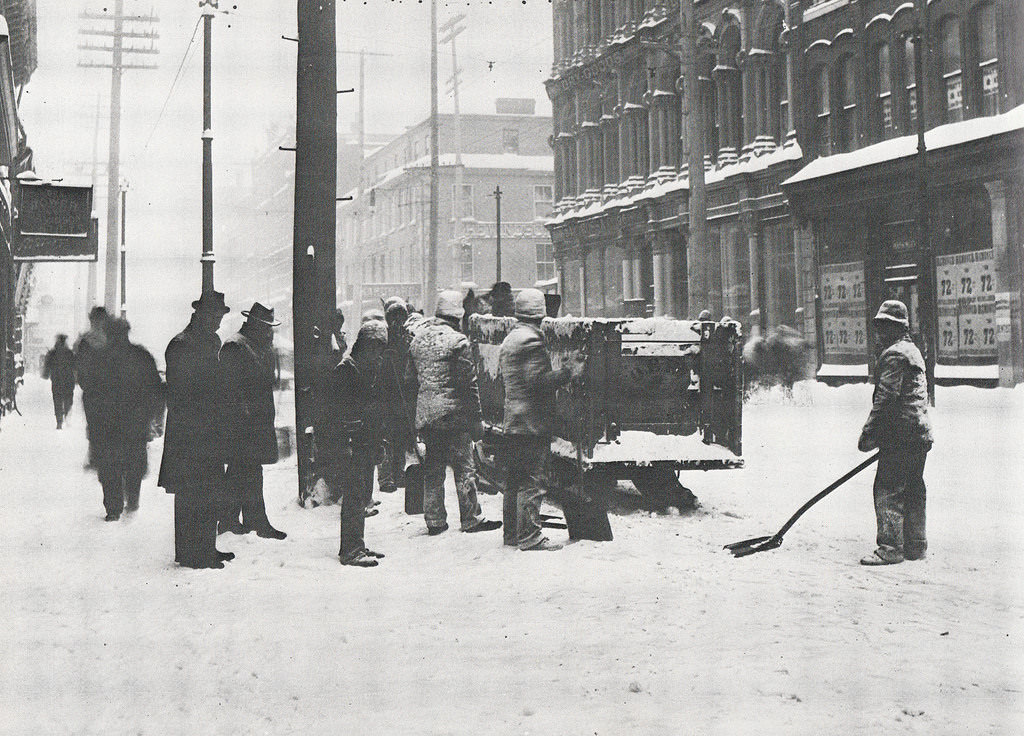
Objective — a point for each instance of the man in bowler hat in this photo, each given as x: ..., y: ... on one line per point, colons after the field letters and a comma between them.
x: 193, y: 464
x: 250, y: 439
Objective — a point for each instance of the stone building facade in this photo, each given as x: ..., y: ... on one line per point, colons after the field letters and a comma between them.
x: 806, y: 114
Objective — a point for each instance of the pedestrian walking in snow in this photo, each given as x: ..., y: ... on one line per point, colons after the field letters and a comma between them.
x: 90, y: 366
x: 355, y: 423
x: 128, y: 398
x: 59, y: 367
x: 193, y: 461
x: 530, y: 385
x: 398, y: 409
x: 899, y: 427
x: 447, y: 414
x: 247, y: 367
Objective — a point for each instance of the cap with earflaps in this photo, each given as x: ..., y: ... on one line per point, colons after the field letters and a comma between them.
x: 212, y: 301
x: 259, y: 313
x: 530, y: 304
x: 449, y: 304
x: 893, y: 310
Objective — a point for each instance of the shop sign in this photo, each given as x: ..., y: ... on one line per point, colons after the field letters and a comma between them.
x: 843, y: 305
x: 966, y: 299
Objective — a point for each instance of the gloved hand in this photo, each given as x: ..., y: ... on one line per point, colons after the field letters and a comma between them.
x: 866, y: 443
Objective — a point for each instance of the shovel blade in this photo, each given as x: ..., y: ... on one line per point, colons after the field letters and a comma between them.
x: 763, y: 545
x: 746, y: 543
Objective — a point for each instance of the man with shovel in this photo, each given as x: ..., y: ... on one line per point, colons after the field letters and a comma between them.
x: 900, y: 429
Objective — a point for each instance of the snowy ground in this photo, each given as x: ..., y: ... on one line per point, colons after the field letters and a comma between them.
x: 658, y: 632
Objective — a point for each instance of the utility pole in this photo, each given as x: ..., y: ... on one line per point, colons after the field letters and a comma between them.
x: 124, y: 253
x: 90, y: 287
x: 927, y: 314
x: 452, y: 29
x: 697, y: 266
x: 497, y: 231
x: 313, y: 266
x: 139, y: 27
x: 431, y: 287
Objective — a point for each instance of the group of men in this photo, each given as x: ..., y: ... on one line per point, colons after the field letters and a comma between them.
x: 220, y: 430
x: 406, y: 380
x: 410, y: 378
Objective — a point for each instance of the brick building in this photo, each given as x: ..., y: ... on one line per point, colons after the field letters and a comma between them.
x: 807, y: 123
x: 383, y: 235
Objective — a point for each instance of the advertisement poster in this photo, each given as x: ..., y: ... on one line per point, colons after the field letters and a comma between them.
x: 844, y: 320
x: 966, y: 284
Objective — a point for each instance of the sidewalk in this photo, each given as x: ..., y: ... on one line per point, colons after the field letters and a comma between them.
x: 658, y: 632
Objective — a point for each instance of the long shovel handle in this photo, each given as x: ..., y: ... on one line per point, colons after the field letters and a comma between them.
x: 821, y: 494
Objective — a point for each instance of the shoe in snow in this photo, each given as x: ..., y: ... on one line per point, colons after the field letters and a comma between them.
x: 359, y: 559
x: 880, y: 557
x: 269, y: 532
x: 435, y: 530
x: 484, y: 526
x: 544, y: 545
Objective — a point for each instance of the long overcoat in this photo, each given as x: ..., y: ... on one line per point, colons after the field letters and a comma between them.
x: 59, y: 367
x: 192, y: 437
x: 249, y: 378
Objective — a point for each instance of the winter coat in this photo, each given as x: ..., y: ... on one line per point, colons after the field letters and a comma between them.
x: 127, y: 397
x: 59, y: 367
x: 249, y: 377
x: 355, y: 414
x: 400, y: 405
x: 899, y: 412
x: 194, y: 406
x: 529, y: 381
x: 443, y: 371
x: 90, y: 359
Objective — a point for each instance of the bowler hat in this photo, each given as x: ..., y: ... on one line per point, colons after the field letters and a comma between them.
x: 212, y: 301
x: 893, y: 310
x: 258, y: 313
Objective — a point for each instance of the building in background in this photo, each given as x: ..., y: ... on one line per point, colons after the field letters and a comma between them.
x: 807, y: 112
x: 383, y: 230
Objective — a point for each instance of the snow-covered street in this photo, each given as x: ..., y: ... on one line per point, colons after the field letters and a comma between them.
x: 658, y: 632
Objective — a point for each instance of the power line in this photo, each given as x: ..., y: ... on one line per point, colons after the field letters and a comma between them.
x: 170, y: 91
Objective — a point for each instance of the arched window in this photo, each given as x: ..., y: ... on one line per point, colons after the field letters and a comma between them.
x: 910, y: 76
x: 846, y: 87
x: 951, y: 69
x: 883, y: 71
x: 821, y: 110
x: 987, y: 72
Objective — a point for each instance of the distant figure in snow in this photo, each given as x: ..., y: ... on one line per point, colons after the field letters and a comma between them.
x: 90, y: 366
x: 127, y: 399
x: 899, y: 427
x: 247, y: 368
x: 193, y: 461
x: 530, y: 385
x: 355, y: 419
x: 448, y: 414
x: 59, y: 367
x: 781, y: 358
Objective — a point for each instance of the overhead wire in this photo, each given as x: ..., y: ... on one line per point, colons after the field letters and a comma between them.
x: 174, y: 82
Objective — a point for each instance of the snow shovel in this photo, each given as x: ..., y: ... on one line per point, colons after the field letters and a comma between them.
x: 763, y: 544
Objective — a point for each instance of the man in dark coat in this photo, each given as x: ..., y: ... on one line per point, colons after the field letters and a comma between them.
x: 399, y: 408
x: 90, y: 366
x: 899, y: 427
x: 355, y: 419
x: 447, y: 414
x: 129, y: 397
x: 250, y: 438
x: 193, y: 461
x: 530, y: 385
x: 59, y: 367
x: 327, y: 358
